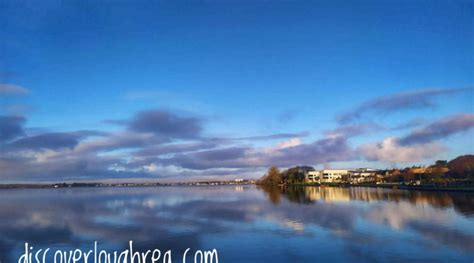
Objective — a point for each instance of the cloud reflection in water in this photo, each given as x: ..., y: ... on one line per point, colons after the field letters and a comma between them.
x: 245, y: 223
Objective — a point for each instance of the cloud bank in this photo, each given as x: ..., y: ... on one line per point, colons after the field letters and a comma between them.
x: 160, y: 143
x: 440, y: 129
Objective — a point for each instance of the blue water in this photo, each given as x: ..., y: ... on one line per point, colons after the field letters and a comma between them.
x: 244, y: 223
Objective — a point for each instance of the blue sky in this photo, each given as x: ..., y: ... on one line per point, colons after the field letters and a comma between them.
x: 284, y: 69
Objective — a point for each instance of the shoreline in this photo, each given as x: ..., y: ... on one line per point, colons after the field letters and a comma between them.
x: 121, y: 185
x: 429, y: 188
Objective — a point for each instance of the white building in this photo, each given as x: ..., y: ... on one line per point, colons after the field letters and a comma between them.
x: 313, y: 176
x: 337, y: 175
x: 362, y: 175
x: 333, y: 175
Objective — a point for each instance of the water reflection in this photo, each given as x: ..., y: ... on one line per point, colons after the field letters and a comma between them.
x: 461, y: 201
x: 430, y: 214
x: 245, y: 223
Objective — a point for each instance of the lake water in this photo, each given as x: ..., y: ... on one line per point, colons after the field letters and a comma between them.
x: 244, y: 223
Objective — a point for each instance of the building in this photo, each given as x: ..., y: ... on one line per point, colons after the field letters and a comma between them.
x: 333, y: 175
x: 313, y: 176
x: 341, y: 175
x: 362, y: 175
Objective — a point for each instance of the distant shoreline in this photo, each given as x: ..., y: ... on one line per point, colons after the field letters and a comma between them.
x: 430, y: 188
x: 155, y: 184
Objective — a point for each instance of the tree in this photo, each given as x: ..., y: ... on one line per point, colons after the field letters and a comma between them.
x: 273, y: 177
x: 408, y: 177
x: 462, y: 167
x: 294, y: 175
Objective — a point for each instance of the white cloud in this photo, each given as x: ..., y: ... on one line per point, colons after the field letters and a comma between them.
x: 391, y: 151
x: 289, y: 143
x: 282, y: 145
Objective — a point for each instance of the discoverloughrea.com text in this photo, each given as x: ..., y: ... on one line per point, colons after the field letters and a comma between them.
x: 32, y: 255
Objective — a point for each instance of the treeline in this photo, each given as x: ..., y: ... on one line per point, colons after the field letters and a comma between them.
x: 460, y: 169
x: 292, y: 175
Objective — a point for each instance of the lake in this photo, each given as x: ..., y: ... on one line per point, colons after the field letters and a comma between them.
x: 244, y: 223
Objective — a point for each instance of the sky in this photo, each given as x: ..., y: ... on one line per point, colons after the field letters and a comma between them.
x: 194, y: 90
